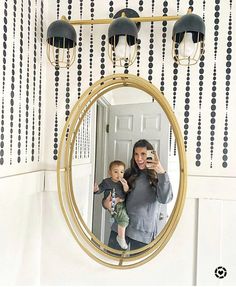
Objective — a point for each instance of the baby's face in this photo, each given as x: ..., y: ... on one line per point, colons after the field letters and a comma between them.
x: 117, y: 172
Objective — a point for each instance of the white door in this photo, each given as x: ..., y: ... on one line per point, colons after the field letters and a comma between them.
x: 131, y: 122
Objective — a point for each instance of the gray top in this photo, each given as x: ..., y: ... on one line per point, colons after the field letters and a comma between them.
x: 107, y: 185
x: 143, y: 203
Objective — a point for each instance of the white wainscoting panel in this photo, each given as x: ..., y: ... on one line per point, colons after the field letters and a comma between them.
x: 83, y: 184
x: 216, y: 241
x: 20, y: 228
x: 64, y: 263
x: 211, y: 187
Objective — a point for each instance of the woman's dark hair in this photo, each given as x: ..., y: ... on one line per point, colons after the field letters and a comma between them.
x: 134, y: 170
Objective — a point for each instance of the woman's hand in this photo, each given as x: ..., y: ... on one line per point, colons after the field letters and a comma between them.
x: 125, y: 184
x: 107, y: 202
x: 155, y: 164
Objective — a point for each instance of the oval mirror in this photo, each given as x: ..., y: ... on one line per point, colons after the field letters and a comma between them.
x: 127, y: 108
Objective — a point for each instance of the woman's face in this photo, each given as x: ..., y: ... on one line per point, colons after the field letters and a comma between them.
x: 140, y: 157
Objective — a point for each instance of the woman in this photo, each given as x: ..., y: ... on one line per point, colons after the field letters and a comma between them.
x: 149, y: 187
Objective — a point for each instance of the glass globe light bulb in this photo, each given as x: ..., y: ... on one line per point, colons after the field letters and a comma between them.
x: 122, y: 49
x: 187, y: 46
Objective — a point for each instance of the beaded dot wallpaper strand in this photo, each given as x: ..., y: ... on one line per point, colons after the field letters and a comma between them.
x: 82, y: 145
x: 40, y: 80
x: 172, y: 144
x: 187, y: 108
x: 214, y: 81
x: 151, y: 45
x: 138, y: 56
x: 177, y: 6
x: 58, y: 8
x: 20, y: 83
x: 4, y: 62
x: 103, y: 50
x: 140, y: 6
x: 164, y: 32
x: 67, y: 92
x: 126, y: 66
x: 91, y: 44
x: 79, y: 53
x: 12, y: 93
x: 187, y: 102
x: 200, y: 88
x: 111, y: 9
x: 27, y: 98
x: 55, y: 145
x: 79, y: 62
x: 56, y: 94
x: 34, y: 82
x: 111, y: 15
x: 79, y: 72
x: 151, y: 52
x: 227, y: 88
x: 191, y: 4
x: 85, y: 127
x: 69, y: 9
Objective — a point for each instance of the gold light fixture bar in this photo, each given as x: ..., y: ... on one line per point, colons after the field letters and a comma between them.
x: 109, y: 21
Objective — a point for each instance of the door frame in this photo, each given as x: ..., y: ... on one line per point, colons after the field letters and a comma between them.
x: 100, y: 170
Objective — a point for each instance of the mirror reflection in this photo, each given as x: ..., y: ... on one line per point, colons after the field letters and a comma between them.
x: 136, y: 171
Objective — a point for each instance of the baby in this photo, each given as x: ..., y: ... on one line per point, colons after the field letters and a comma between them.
x: 115, y: 188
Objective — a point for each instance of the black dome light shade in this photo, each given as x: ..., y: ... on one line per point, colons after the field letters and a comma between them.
x: 61, y: 42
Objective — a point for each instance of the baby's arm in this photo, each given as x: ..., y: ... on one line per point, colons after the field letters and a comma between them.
x: 99, y: 188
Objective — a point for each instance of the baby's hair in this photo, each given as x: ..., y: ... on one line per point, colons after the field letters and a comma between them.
x: 116, y: 162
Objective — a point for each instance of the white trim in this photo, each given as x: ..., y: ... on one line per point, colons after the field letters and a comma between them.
x: 211, y: 187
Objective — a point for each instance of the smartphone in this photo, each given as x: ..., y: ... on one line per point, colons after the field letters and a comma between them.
x: 150, y: 156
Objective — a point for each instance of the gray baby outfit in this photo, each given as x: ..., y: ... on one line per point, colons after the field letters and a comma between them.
x: 120, y: 214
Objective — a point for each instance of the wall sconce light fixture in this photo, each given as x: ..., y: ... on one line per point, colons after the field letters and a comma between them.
x: 61, y: 43
x: 188, y: 38
x: 122, y: 35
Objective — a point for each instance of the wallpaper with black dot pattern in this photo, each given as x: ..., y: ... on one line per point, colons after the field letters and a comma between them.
x: 21, y: 80
x: 200, y: 95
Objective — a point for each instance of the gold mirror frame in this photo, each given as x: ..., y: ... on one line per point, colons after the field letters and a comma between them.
x: 84, y: 237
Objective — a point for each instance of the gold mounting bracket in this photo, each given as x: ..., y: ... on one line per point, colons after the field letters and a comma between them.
x: 109, y: 21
